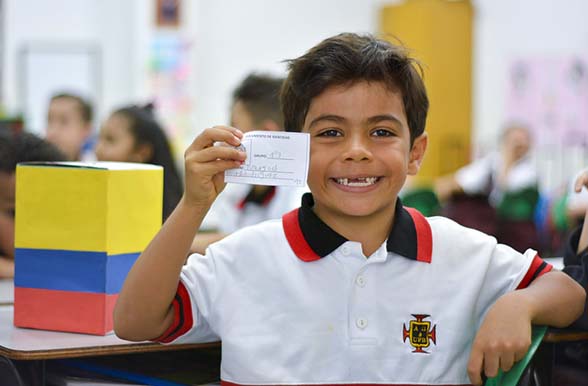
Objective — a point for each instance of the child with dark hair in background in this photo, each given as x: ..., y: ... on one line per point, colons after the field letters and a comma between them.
x: 69, y: 125
x: 15, y: 148
x: 256, y: 106
x: 132, y: 134
x: 352, y: 287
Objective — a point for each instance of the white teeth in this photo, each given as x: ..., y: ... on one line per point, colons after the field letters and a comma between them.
x: 357, y: 182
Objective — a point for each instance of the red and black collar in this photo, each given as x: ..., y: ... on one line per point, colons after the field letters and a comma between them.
x: 311, y: 239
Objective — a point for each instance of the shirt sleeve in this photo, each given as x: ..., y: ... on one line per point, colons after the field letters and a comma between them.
x: 508, y: 270
x: 193, y: 320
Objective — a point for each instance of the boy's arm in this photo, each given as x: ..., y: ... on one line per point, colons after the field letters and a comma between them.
x: 204, y: 239
x: 552, y: 299
x: 143, y: 310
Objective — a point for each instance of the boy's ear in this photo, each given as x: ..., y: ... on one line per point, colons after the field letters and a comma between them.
x: 417, y: 153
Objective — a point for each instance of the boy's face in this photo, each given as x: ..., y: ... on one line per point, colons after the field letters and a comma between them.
x: 66, y: 127
x: 360, y: 150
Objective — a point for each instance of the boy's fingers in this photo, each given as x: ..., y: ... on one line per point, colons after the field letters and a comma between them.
x: 475, y: 368
x: 214, y: 167
x: 491, y: 363
x: 214, y: 134
x: 506, y: 361
x: 216, y: 152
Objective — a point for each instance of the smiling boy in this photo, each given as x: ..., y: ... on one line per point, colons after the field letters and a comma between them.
x: 351, y: 288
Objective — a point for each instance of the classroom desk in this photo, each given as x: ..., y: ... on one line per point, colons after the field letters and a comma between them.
x: 24, y: 344
x: 6, y: 292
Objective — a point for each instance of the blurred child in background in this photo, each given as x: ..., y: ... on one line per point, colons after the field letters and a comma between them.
x: 15, y: 148
x: 69, y: 126
x: 132, y: 134
x: 497, y: 194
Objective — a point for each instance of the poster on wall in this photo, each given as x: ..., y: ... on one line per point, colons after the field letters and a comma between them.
x: 169, y: 73
x: 551, y: 96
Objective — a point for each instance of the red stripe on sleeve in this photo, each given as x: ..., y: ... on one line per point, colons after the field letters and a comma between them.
x: 538, y: 267
x: 424, y: 235
x: 182, y: 316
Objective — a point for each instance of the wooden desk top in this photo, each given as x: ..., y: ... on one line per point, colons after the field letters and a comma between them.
x: 29, y: 344
x: 555, y: 336
x: 6, y: 291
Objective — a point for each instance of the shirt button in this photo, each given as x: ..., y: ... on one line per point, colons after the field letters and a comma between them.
x: 360, y: 281
x: 361, y: 323
x: 345, y: 250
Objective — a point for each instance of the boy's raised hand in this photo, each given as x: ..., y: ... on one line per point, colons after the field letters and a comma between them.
x: 503, y: 339
x: 206, y: 163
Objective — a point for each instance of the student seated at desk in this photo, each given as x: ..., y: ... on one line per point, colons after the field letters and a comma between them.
x: 351, y: 287
x: 132, y: 134
x: 256, y: 106
x: 497, y: 194
x: 15, y: 148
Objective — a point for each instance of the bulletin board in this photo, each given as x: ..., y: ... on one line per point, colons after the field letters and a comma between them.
x: 49, y: 68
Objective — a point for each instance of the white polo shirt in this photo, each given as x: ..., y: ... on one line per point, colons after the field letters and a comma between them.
x: 237, y: 207
x: 296, y: 303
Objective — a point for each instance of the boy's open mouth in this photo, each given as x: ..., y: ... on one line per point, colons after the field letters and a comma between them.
x: 357, y: 181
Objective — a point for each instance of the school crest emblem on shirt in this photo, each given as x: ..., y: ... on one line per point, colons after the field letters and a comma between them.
x: 419, y: 333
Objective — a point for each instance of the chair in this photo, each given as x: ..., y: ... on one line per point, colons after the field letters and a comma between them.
x: 524, y: 372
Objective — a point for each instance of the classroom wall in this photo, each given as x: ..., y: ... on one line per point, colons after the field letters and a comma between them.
x: 229, y: 38
x: 506, y: 29
x: 106, y: 23
x: 234, y: 37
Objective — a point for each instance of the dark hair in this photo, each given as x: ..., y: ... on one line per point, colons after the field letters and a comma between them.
x: 25, y: 147
x: 260, y: 94
x: 348, y: 58
x: 146, y: 130
x: 84, y: 106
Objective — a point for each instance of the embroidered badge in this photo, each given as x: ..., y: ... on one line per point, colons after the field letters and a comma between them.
x: 419, y: 333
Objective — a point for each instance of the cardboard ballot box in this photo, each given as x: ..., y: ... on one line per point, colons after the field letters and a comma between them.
x: 79, y: 229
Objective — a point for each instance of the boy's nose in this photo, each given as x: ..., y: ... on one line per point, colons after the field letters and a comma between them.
x: 357, y: 149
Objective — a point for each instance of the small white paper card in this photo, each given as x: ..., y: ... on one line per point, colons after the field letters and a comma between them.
x: 273, y: 158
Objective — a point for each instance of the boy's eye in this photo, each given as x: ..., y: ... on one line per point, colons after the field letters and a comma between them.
x: 382, y: 132
x: 329, y: 133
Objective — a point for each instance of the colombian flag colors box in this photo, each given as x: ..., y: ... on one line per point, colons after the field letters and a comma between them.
x: 79, y: 229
